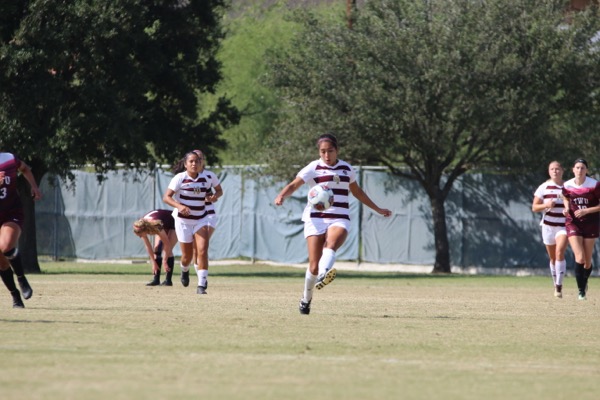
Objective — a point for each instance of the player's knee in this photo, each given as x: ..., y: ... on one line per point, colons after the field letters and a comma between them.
x: 11, y: 254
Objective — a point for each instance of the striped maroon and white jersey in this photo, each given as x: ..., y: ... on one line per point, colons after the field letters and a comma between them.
x: 338, y: 179
x: 191, y: 193
x: 9, y: 194
x: 551, y: 191
x: 582, y: 196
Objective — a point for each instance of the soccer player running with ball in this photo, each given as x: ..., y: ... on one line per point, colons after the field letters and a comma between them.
x: 548, y: 199
x: 325, y: 231
x: 582, y: 209
x: 189, y: 193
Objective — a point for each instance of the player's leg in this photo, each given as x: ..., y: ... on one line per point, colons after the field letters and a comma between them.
x: 588, y: 248
x: 202, y: 239
x: 6, y: 274
x: 576, y: 243
x: 314, y: 245
x: 158, y: 247
x: 170, y: 259
x: 185, y: 236
x: 335, y: 238
x: 560, y: 263
x: 549, y: 239
x: 9, y: 239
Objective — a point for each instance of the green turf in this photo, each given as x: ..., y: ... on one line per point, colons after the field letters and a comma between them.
x: 97, y: 332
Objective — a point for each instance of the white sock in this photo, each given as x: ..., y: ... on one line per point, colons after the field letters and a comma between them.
x: 309, y: 284
x: 326, y: 261
x: 202, y: 276
x: 184, y: 268
x: 561, y: 270
x: 553, y: 272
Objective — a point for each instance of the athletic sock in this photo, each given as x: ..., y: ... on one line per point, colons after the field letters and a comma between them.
x: 8, y: 279
x: 158, y: 260
x: 586, y: 274
x: 553, y: 272
x: 580, y: 277
x: 326, y: 261
x: 588, y: 271
x: 184, y: 268
x: 309, y: 285
x: 561, y: 270
x: 17, y: 265
x: 171, y: 264
x: 202, y: 276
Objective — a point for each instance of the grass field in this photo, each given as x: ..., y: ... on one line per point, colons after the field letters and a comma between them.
x: 97, y: 332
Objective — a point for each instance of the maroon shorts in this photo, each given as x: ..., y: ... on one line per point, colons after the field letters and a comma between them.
x: 586, y: 230
x: 15, y: 215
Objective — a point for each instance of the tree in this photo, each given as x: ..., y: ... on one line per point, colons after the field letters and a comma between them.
x: 251, y: 30
x: 89, y: 82
x: 433, y: 89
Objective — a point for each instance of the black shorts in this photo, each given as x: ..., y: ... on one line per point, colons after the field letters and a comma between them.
x: 587, y: 230
x: 15, y: 216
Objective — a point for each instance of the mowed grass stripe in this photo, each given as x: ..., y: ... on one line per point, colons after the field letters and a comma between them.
x: 92, y: 336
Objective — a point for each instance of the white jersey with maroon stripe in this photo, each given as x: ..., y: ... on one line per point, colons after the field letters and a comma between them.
x: 191, y: 193
x: 550, y: 190
x: 338, y: 179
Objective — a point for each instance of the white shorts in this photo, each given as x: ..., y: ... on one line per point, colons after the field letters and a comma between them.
x: 318, y: 226
x: 550, y: 233
x: 185, y: 232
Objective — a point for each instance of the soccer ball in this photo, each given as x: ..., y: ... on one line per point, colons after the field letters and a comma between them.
x: 320, y: 197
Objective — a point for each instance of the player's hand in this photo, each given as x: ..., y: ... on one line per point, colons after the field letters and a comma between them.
x: 549, y: 203
x: 183, y: 210
x: 36, y: 194
x: 385, y: 212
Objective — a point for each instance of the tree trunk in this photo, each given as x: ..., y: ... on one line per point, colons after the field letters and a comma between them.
x: 28, y: 239
x: 440, y: 233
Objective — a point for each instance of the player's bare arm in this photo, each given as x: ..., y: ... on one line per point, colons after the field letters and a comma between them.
x: 288, y: 190
x: 366, y: 200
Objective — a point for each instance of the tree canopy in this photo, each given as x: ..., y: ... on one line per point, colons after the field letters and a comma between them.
x: 433, y: 89
x: 89, y: 82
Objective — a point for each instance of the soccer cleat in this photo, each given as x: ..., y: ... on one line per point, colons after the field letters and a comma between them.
x: 25, y: 288
x: 201, y: 290
x: 582, y: 295
x: 558, y: 291
x: 17, y: 302
x: 304, y: 307
x: 153, y: 282
x: 185, y: 278
x: 326, y: 278
x: 166, y: 283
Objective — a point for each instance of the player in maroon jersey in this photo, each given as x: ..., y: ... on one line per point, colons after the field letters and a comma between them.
x: 11, y: 222
x: 159, y: 223
x: 582, y: 209
x: 548, y: 199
